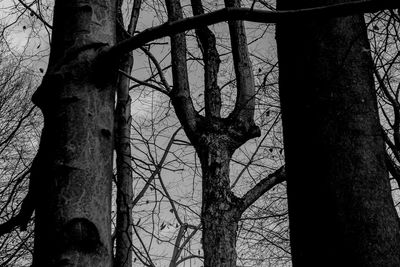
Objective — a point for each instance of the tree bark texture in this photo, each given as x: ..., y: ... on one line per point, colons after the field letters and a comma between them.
x: 214, y: 138
x: 123, y: 149
x: 123, y: 249
x: 73, y: 189
x: 219, y: 213
x: 340, y: 207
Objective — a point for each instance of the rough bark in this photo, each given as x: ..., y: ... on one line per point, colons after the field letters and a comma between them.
x: 219, y: 213
x: 124, y: 228
x: 214, y: 138
x: 340, y: 208
x: 73, y: 192
x: 123, y: 235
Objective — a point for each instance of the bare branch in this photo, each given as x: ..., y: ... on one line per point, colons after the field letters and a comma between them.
x: 180, y: 93
x: 178, y: 248
x: 158, y: 168
x: 263, y: 186
x: 158, y: 67
x: 176, y: 26
x: 212, y: 93
x: 144, y: 83
x: 29, y: 203
x: 12, y: 134
x: 22, y: 218
x: 245, y: 100
x: 255, y: 153
x: 392, y: 168
x: 35, y: 14
x: 134, y: 16
x: 396, y: 108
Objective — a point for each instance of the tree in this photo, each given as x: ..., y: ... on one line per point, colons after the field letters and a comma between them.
x: 77, y: 99
x: 384, y: 39
x: 72, y: 172
x: 20, y: 122
x: 123, y: 229
x: 340, y: 208
x: 215, y: 138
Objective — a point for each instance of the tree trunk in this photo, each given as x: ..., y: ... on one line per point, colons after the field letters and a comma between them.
x: 340, y: 207
x: 124, y: 226
x: 214, y: 138
x: 219, y: 213
x: 123, y: 250
x: 73, y: 195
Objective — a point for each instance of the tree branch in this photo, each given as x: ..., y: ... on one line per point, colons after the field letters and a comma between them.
x: 392, y: 168
x: 35, y: 14
x: 263, y: 186
x: 144, y: 83
x: 12, y: 134
x: 158, y: 168
x: 158, y: 67
x: 180, y: 93
x: 245, y: 100
x: 22, y: 218
x: 176, y: 26
x: 212, y: 93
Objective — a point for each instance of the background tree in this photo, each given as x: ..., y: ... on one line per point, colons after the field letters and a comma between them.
x: 20, y: 123
x: 19, y: 133
x: 384, y: 41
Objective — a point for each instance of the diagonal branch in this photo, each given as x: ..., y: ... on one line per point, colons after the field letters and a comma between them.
x: 28, y: 7
x: 263, y: 186
x: 144, y: 83
x: 158, y: 168
x: 158, y: 67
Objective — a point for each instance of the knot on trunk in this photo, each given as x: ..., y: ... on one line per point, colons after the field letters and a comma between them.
x: 82, y: 235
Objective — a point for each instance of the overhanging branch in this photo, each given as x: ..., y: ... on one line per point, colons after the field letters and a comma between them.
x: 225, y: 14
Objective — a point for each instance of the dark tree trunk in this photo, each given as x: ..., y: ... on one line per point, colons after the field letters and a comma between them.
x: 123, y: 149
x: 73, y: 189
x: 219, y: 214
x: 123, y: 250
x: 340, y: 207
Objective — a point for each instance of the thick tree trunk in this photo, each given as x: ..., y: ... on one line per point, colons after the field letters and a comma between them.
x: 219, y: 213
x: 340, y: 207
x: 72, y: 222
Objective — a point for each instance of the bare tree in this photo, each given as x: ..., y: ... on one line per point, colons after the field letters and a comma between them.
x: 71, y: 175
x: 19, y: 121
x: 215, y: 138
x: 384, y: 41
